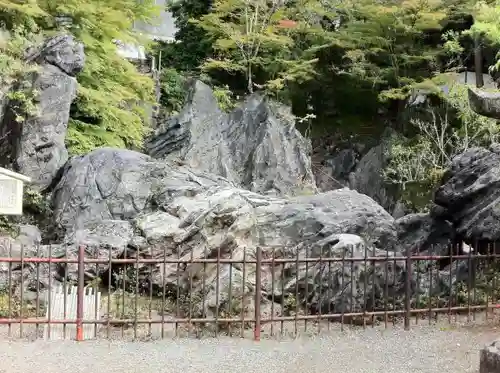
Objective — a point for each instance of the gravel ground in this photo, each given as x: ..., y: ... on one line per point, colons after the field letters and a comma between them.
x: 446, y: 348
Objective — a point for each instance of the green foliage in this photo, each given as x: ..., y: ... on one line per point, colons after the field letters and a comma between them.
x: 385, y: 42
x: 192, y: 45
x: 14, y: 80
x: 225, y: 98
x: 417, y: 164
x: 486, y: 27
x: 172, y: 90
x: 111, y: 91
x: 338, y: 62
x: 249, y: 41
x: 487, y: 18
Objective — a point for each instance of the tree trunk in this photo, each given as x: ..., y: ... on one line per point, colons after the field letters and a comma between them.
x: 249, y: 78
x: 478, y: 62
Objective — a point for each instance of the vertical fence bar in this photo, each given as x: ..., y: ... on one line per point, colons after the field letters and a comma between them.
x: 243, y: 297
x: 258, y: 269
x: 408, y: 289
x: 273, y: 280
x: 21, y: 316
x: 229, y: 294
x: 49, y: 294
x: 80, y: 294
x: 217, y: 291
x: 10, y: 290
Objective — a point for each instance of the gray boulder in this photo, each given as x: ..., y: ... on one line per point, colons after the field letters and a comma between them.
x: 368, y: 178
x: 36, y: 146
x: 116, y: 184
x: 470, y: 194
x: 256, y: 146
x: 232, y: 223
x: 28, y: 278
x: 104, y: 239
x: 421, y: 234
x: 484, y: 102
x: 340, y: 287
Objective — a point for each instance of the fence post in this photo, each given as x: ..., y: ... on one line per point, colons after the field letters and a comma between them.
x: 80, y: 293
x: 258, y: 294
x: 408, y: 288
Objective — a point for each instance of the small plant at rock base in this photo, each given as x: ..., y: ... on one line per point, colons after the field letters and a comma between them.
x: 303, y: 190
x: 22, y: 101
x: 224, y: 98
x: 7, y: 227
x: 234, y: 309
x: 127, y: 279
x: 35, y: 202
x: 290, y: 305
x: 121, y: 305
x: 12, y: 307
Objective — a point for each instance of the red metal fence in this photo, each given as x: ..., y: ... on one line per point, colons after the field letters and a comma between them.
x: 266, y: 290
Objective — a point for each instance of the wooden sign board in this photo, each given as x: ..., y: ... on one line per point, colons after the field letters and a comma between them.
x: 11, y: 192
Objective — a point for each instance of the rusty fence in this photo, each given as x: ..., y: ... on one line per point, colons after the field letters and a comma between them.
x: 250, y: 293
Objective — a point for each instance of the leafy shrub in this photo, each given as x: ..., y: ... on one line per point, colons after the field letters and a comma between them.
x: 225, y: 98
x: 417, y: 164
x: 172, y: 91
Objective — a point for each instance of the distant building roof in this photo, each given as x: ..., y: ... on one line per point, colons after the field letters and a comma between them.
x: 162, y: 29
x: 130, y: 52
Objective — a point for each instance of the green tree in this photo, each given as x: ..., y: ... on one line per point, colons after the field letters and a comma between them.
x: 192, y: 45
x: 251, y: 39
x: 386, y: 42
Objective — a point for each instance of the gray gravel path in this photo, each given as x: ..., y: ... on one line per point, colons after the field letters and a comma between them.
x: 423, y: 349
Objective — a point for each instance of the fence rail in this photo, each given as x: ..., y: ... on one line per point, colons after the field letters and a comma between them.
x: 270, y: 290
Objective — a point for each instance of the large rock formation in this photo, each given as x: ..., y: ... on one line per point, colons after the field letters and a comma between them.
x: 108, y: 194
x: 256, y: 146
x: 35, y: 146
x: 218, y: 185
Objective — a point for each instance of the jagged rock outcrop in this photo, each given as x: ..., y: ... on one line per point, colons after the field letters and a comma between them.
x: 470, y: 195
x: 484, y: 102
x: 256, y: 146
x: 36, y: 146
